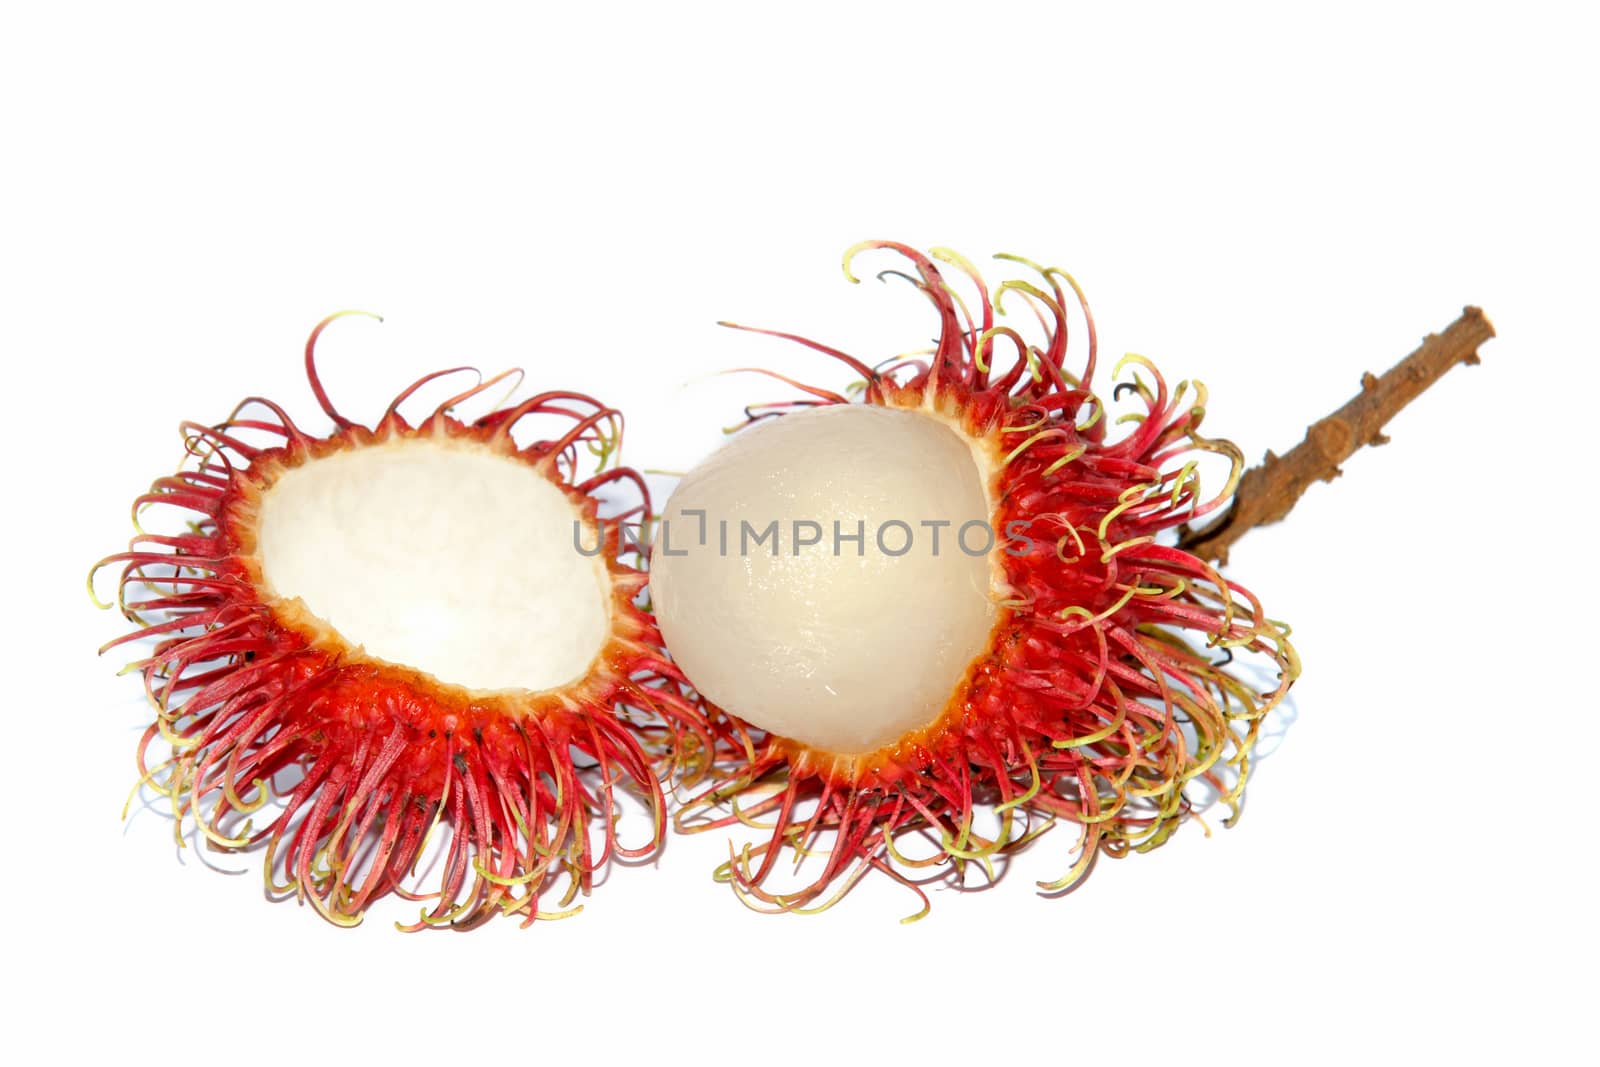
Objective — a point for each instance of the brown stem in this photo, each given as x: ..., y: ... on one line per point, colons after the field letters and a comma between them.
x: 1267, y: 493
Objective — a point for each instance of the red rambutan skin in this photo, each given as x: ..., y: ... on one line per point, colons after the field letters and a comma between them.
x: 258, y: 698
x: 1091, y: 702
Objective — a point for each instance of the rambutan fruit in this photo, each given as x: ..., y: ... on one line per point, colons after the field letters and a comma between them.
x: 365, y: 637
x: 943, y: 618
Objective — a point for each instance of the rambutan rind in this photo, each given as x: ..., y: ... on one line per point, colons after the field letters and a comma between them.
x: 267, y: 708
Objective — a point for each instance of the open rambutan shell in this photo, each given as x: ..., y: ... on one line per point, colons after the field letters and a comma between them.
x: 272, y: 711
x: 1105, y: 691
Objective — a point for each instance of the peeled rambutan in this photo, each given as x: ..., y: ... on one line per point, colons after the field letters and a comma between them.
x: 370, y: 636
x: 890, y: 706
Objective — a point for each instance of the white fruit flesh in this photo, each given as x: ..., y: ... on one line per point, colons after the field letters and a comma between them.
x: 441, y: 556
x: 843, y: 652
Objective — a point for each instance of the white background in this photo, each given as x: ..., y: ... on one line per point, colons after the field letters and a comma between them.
x: 1273, y: 201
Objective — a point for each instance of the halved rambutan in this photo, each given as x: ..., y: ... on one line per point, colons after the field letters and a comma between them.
x: 384, y: 631
x: 1061, y: 659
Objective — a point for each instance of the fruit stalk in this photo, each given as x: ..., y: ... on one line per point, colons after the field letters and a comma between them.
x: 1268, y: 492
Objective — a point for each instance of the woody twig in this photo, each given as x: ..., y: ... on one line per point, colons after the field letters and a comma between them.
x: 1268, y: 492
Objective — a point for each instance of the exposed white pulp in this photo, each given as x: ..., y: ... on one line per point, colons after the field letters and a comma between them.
x: 440, y: 556
x: 844, y: 652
